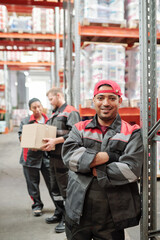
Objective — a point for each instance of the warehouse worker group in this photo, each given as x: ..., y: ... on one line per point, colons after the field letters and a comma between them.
x: 92, y: 174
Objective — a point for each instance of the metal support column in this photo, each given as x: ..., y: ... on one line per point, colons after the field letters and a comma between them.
x: 69, y: 53
x: 52, y: 83
x: 57, y: 45
x: 68, y: 61
x: 65, y: 49
x: 77, y: 54
x: 7, y: 95
x: 148, y: 115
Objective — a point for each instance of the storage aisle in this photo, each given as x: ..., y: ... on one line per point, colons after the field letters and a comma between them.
x: 16, y: 219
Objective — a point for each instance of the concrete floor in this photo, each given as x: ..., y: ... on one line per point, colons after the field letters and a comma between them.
x: 16, y: 219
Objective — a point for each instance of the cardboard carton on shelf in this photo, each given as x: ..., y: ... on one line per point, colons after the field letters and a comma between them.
x: 32, y: 135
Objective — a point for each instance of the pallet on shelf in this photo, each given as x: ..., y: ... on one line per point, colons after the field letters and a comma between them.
x: 91, y: 22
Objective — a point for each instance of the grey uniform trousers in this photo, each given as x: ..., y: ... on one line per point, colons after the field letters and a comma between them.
x: 32, y: 176
x: 96, y: 222
x: 59, y: 181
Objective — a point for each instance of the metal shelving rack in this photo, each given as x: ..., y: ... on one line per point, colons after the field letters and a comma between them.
x: 30, y: 42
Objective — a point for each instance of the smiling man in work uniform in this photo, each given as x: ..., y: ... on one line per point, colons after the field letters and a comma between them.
x: 104, y: 156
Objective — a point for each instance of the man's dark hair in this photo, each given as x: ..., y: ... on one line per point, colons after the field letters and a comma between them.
x: 33, y: 100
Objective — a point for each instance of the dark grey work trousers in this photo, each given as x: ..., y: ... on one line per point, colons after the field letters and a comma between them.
x: 59, y: 180
x: 96, y: 222
x: 32, y: 176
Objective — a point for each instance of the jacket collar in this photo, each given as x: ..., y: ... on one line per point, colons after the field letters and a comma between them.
x: 60, y: 109
x: 116, y: 125
x: 32, y: 118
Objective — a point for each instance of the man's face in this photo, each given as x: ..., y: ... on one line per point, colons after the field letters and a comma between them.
x: 53, y: 99
x: 106, y: 106
x: 37, y: 109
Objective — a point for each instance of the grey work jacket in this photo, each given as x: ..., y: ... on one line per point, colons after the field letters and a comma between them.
x: 28, y: 157
x: 118, y: 177
x: 63, y: 118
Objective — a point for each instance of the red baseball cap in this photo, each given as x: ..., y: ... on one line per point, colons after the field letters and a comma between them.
x: 115, y: 87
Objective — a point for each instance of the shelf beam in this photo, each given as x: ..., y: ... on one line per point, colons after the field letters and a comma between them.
x: 115, y: 32
x: 29, y: 64
x: 28, y: 49
x: 32, y: 36
x: 26, y: 43
x: 101, y: 31
x: 40, y: 3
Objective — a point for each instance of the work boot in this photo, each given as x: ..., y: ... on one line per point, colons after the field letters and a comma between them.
x: 53, y: 219
x: 37, y: 212
x: 60, y: 228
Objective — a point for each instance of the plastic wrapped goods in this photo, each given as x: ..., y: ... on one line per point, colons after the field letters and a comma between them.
x: 20, y: 23
x: 3, y: 18
x: 43, y: 20
x: 107, y: 53
x: 132, y: 13
x: 100, y: 11
x: 101, y: 61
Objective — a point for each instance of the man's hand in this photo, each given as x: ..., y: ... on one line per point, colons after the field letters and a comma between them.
x: 100, y: 158
x: 94, y: 172
x: 49, y: 144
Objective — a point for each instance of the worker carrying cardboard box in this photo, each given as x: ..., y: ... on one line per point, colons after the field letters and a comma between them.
x: 35, y: 161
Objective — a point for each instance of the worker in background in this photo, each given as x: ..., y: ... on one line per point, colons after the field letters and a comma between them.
x: 64, y: 117
x: 34, y: 161
x: 105, y: 158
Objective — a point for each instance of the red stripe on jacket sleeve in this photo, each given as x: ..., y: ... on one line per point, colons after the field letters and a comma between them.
x: 25, y: 151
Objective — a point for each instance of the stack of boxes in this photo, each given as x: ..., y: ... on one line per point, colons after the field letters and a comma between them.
x: 3, y: 18
x: 132, y: 13
x: 102, y: 61
x: 86, y: 92
x: 20, y: 24
x: 132, y: 76
x: 49, y: 21
x: 43, y: 20
x: 36, y: 20
x: 102, y: 11
x: 29, y: 56
x: 114, y: 62
x: 14, y: 56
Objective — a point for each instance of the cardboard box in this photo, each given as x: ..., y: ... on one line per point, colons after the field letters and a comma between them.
x: 32, y: 135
